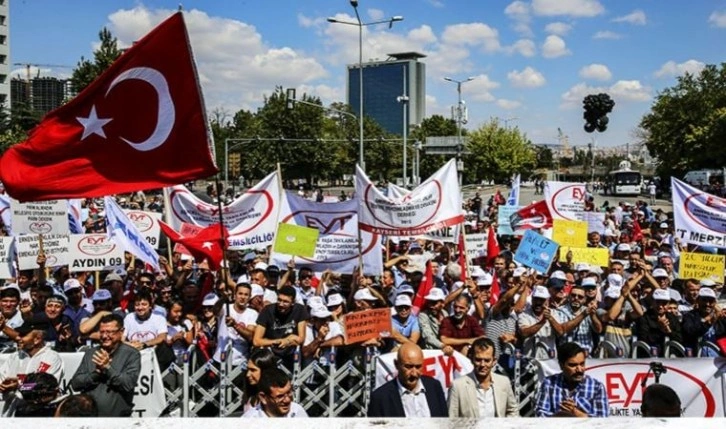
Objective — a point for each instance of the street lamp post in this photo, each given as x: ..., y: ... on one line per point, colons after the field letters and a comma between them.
x: 459, y: 120
x: 403, y: 99
x: 360, y: 24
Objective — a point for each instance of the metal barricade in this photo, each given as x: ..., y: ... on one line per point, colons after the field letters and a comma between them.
x: 704, y: 345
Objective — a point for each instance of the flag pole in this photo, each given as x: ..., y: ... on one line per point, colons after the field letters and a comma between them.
x: 41, y: 251
x: 222, y: 239
x: 167, y: 207
x: 281, y: 192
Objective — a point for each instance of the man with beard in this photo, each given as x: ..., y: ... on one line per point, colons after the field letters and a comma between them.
x: 460, y: 330
x: 579, y: 321
x: 410, y: 394
x: 703, y: 322
x: 282, y: 326
x: 109, y: 372
x: 571, y: 393
x: 275, y: 397
x: 482, y: 393
x: 657, y: 325
x: 537, y: 324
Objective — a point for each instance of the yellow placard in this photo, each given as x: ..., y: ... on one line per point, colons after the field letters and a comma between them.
x: 571, y: 233
x: 598, y: 256
x: 701, y: 266
x: 296, y: 240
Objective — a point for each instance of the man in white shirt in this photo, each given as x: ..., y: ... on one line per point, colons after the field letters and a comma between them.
x: 9, y: 300
x: 275, y: 397
x: 142, y: 328
x: 238, y: 327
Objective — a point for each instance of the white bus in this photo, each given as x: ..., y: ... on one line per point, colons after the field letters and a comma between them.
x: 624, y: 181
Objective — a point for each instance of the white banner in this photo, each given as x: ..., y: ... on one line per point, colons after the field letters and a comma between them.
x: 55, y: 248
x: 513, y: 199
x: 6, y: 257
x: 251, y: 219
x: 94, y: 252
x: 395, y: 191
x: 337, y: 248
x: 433, y: 205
x: 697, y: 381
x: 436, y: 364
x: 149, y: 399
x: 449, y: 234
x: 146, y: 223
x: 565, y: 200
x: 700, y: 218
x: 126, y: 235
x: 75, y: 212
x: 40, y: 217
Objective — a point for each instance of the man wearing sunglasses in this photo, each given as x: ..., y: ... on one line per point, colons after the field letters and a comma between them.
x: 579, y: 320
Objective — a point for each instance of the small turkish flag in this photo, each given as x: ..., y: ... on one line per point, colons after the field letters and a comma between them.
x: 208, y: 243
x: 534, y: 216
x: 140, y: 125
x: 492, y: 247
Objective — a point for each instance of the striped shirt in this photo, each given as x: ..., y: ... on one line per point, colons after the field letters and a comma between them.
x: 589, y: 396
x: 498, y: 325
x: 582, y: 334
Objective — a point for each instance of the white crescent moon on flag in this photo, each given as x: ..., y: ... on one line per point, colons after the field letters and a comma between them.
x: 166, y: 114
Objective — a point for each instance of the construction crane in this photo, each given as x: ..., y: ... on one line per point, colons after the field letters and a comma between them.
x: 27, y: 73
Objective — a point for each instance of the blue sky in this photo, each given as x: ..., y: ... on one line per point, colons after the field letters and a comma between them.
x: 533, y: 60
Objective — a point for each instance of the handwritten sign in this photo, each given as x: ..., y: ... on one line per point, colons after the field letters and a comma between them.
x: 536, y: 251
x: 6, y: 258
x: 587, y: 255
x: 476, y: 245
x: 702, y: 266
x: 54, y: 246
x: 366, y: 325
x: 570, y: 232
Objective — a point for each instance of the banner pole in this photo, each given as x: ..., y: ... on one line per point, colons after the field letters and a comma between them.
x: 167, y: 220
x: 281, y: 192
x: 225, y: 268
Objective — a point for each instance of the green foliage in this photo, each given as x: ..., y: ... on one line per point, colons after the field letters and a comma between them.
x: 686, y: 127
x: 86, y: 71
x: 544, y: 157
x: 496, y: 153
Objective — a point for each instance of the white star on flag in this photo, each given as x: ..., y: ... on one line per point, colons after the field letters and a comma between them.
x: 93, y: 124
x: 208, y: 245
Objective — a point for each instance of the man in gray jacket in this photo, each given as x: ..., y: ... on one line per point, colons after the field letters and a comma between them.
x: 109, y: 373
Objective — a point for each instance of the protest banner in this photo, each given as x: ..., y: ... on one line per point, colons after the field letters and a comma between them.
x: 337, y: 247
x: 570, y: 232
x: 55, y: 247
x: 365, y: 325
x: 6, y: 257
x: 699, y: 217
x: 40, y: 217
x: 536, y: 251
x: 93, y: 252
x: 504, y: 225
x: 595, y: 256
x: 251, y: 219
x: 565, y: 200
x: 702, y: 266
x: 595, y: 222
x: 146, y: 223
x: 444, y: 368
x: 433, y: 205
x: 296, y: 240
x: 448, y: 234
x: 476, y: 245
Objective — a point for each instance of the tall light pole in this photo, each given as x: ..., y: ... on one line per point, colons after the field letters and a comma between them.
x: 459, y: 120
x: 360, y: 24
x: 403, y: 99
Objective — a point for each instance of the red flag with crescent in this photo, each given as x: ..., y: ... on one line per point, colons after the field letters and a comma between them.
x: 140, y: 125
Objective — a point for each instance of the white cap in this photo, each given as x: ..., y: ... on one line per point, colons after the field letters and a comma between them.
x: 257, y: 290
x: 404, y: 300
x: 661, y: 295
x: 706, y: 292
x: 623, y: 247
x: 708, y: 283
x: 486, y: 280
x: 660, y: 272
x: 364, y: 295
x: 210, y: 299
x: 335, y: 300
x: 261, y: 266
x: 269, y: 296
x: 71, y: 284
x: 405, y: 288
x: 519, y: 272
x: 663, y: 225
x: 609, y: 233
x: 582, y: 267
x: 316, y: 301
x: 675, y: 296
x: 435, y: 294
x: 540, y: 292
x: 11, y: 286
x: 477, y: 271
x: 320, y: 312
x: 559, y: 275
x: 588, y: 282
x: 615, y: 280
x: 613, y: 292
x: 244, y: 278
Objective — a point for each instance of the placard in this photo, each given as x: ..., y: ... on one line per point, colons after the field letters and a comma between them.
x: 595, y: 222
x: 596, y: 256
x: 536, y: 251
x: 565, y: 200
x: 147, y: 224
x: 699, y: 217
x: 476, y: 245
x: 55, y: 247
x: 504, y: 224
x: 296, y: 240
x: 6, y: 257
x: 570, y: 232
x: 40, y: 217
x: 94, y: 252
x: 701, y: 266
x: 366, y: 325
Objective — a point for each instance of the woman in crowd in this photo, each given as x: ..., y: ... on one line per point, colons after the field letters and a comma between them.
x: 259, y: 361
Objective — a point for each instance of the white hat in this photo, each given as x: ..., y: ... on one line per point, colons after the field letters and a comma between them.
x: 582, y: 267
x: 404, y: 300
x: 519, y: 272
x: 405, y: 288
x: 335, y: 300
x: 623, y: 247
x: 210, y: 299
x: 486, y: 280
x: 71, y: 284
x: 477, y: 271
x: 560, y: 275
x: 706, y: 293
x: 708, y: 283
x: 320, y: 312
x: 269, y: 295
x: 316, y: 301
x: 257, y: 290
x: 661, y: 295
x: 364, y: 295
x: 540, y: 292
x: 675, y: 295
x: 609, y: 233
x: 11, y: 286
x: 613, y: 292
x: 261, y: 266
x: 615, y: 280
x: 244, y: 278
x: 663, y: 225
x: 660, y: 272
x: 594, y: 269
x: 588, y: 282
x: 435, y: 294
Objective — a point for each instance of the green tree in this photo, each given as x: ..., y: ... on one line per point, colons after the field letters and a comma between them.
x: 544, y: 157
x: 86, y: 71
x: 686, y: 127
x: 434, y: 126
x: 496, y: 153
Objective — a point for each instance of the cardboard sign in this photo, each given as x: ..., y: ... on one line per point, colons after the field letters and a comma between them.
x: 587, y: 255
x: 94, y: 252
x: 6, y: 257
x: 504, y: 224
x: 147, y: 224
x: 570, y: 233
x: 476, y: 245
x: 536, y: 251
x: 296, y: 240
x: 701, y: 266
x: 41, y: 217
x: 366, y: 325
x: 54, y: 246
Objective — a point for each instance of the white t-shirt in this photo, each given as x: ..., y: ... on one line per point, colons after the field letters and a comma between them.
x: 146, y: 330
x: 296, y: 410
x: 179, y: 347
x: 21, y: 364
x: 240, y: 346
x: 335, y: 331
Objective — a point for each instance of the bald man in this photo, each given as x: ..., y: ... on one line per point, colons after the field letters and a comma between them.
x: 410, y: 394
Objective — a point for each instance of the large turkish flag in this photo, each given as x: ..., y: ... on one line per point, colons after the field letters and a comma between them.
x: 140, y: 125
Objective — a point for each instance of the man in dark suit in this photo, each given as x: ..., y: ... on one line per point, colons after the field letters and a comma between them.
x: 410, y: 394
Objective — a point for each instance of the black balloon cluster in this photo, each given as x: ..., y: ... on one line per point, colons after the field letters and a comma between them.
x: 596, y: 109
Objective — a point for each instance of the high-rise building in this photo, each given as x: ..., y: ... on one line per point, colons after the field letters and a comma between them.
x: 42, y: 94
x: 385, y: 81
x: 4, y: 53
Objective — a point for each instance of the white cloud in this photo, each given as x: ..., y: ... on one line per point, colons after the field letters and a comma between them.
x: 473, y: 34
x: 519, y: 11
x: 479, y: 88
x: 423, y: 35
x: 376, y: 14
x: 527, y: 78
x: 596, y: 72
x: 636, y: 17
x: 508, y: 104
x: 671, y: 69
x: 554, y: 47
x: 307, y: 22
x: 574, y: 8
x: 622, y: 91
x: 524, y: 47
x: 718, y: 19
x: 558, y: 28
x: 610, y: 35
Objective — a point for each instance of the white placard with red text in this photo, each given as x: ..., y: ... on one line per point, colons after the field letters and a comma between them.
x: 93, y: 252
x: 436, y: 364
x: 565, y: 200
x: 699, y: 217
x: 146, y: 223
